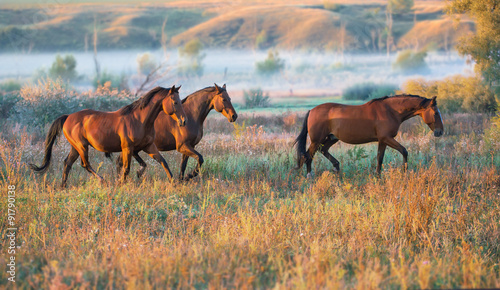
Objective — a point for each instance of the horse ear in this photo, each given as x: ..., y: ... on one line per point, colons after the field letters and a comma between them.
x: 172, y: 89
x: 217, y: 88
x: 433, y: 101
x: 224, y: 86
x: 178, y: 88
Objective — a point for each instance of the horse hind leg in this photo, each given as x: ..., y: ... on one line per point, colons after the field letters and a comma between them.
x: 83, y: 150
x: 310, y: 155
x: 329, y: 142
x: 68, y: 163
x: 191, y: 152
x: 143, y: 165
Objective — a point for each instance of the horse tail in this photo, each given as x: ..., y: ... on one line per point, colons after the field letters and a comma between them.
x: 301, y: 141
x: 55, y: 130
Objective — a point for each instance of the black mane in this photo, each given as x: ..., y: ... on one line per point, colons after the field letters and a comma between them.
x: 205, y: 90
x: 396, y: 96
x: 143, y: 101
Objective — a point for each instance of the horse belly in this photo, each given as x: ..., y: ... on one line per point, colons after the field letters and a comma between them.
x: 354, y: 131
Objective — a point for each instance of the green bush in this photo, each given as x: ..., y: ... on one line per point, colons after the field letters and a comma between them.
x: 491, y: 136
x: 456, y: 93
x: 10, y: 86
x: 367, y: 91
x: 409, y: 61
x: 63, y: 67
x: 119, y: 82
x: 191, y: 63
x: 271, y: 65
x: 8, y: 102
x: 255, y: 98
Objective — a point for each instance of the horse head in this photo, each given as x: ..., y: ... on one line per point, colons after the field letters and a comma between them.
x: 172, y: 106
x: 432, y: 117
x: 222, y: 103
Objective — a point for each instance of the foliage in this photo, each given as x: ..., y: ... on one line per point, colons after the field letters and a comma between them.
x: 8, y: 102
x: 45, y: 101
x: 191, y: 63
x: 119, y: 82
x: 146, y: 63
x: 492, y: 134
x: 409, y: 61
x: 10, y: 85
x: 271, y: 65
x: 484, y: 45
x: 332, y: 6
x: 366, y: 91
x: 455, y: 94
x: 261, y: 41
x: 400, y: 6
x: 64, y: 68
x: 256, y: 98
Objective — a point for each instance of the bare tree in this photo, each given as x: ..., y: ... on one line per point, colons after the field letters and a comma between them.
x: 97, y: 67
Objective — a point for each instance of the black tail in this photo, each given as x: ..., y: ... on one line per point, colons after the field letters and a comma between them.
x: 301, y: 141
x: 55, y: 130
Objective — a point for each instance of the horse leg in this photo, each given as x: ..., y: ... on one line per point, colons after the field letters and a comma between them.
x: 330, y: 141
x: 380, y: 155
x: 391, y: 142
x: 126, y: 156
x: 184, y: 162
x: 310, y: 152
x: 68, y: 163
x: 188, y: 150
x: 83, y: 150
x: 155, y: 154
x: 119, y: 163
x: 143, y: 165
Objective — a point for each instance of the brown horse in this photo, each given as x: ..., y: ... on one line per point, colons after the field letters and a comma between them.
x: 130, y: 129
x: 377, y: 120
x: 169, y: 136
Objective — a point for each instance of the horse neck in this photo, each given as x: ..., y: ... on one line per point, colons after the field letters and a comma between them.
x: 199, y: 106
x: 149, y: 114
x: 405, y: 108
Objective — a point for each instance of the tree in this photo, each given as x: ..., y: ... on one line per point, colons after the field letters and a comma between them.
x: 484, y: 45
x: 191, y: 59
x: 271, y: 65
x: 400, y: 6
x: 64, y: 67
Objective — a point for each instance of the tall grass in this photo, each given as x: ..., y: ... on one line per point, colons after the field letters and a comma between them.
x: 250, y: 221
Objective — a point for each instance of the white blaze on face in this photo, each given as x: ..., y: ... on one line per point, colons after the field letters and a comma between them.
x: 439, y: 113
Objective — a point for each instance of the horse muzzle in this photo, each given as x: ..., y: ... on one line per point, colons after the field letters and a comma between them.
x: 181, y: 122
x: 233, y: 117
x: 438, y: 132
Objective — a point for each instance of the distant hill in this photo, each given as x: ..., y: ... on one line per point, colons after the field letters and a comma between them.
x: 358, y: 25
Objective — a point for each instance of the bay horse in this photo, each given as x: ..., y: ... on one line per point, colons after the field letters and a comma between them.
x: 377, y: 120
x: 129, y: 129
x: 169, y: 136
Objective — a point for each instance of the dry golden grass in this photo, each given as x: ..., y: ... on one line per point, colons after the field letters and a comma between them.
x: 250, y: 222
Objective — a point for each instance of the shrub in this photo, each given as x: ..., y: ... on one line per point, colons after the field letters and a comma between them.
x: 366, y: 91
x: 255, y: 98
x: 119, y: 82
x: 456, y: 93
x: 8, y: 102
x: 271, y: 65
x: 492, y: 135
x: 10, y: 86
x: 409, y: 61
x: 63, y: 67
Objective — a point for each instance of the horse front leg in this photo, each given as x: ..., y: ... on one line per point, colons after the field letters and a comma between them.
x: 184, y: 162
x: 143, y: 165
x: 152, y: 151
x: 391, y: 142
x: 188, y: 150
x: 126, y: 159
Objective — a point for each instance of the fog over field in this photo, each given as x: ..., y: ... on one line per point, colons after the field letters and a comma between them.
x: 304, y: 73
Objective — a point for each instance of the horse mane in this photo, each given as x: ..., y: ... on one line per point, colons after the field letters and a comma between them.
x: 142, y: 102
x: 424, y: 100
x: 204, y: 90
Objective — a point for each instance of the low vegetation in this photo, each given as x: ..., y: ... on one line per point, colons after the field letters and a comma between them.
x: 367, y: 91
x: 251, y: 221
x: 256, y: 98
x: 455, y: 94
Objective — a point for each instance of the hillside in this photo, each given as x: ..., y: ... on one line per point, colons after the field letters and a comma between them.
x: 355, y: 25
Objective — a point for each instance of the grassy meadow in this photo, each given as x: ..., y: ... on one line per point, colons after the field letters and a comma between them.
x: 250, y: 221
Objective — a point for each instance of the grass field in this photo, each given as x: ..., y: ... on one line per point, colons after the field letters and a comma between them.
x: 250, y: 221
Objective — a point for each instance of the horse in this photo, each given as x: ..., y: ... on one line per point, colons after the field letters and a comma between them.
x: 129, y: 129
x: 170, y: 137
x: 377, y: 120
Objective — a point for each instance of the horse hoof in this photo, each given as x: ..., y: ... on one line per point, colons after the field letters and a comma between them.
x: 309, y: 175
